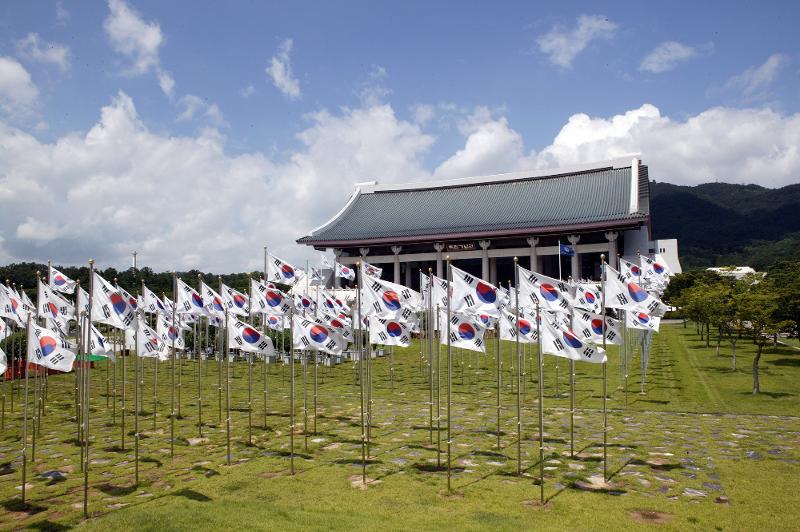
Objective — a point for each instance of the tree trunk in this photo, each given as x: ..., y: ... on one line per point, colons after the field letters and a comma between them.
x: 718, y: 341
x: 708, y: 335
x: 719, y: 338
x: 734, y: 354
x: 684, y: 323
x: 756, y: 386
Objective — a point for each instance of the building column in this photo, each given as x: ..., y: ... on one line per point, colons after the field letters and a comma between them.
x: 576, y: 258
x: 337, y: 282
x: 439, y: 247
x: 612, y: 236
x: 484, y: 244
x: 396, y: 250
x: 493, y: 270
x: 408, y: 274
x: 533, y: 242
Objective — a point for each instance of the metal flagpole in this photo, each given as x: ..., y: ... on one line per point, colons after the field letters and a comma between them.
x: 264, y: 327
x: 605, y: 373
x: 359, y: 347
x: 198, y: 353
x: 449, y: 374
x: 304, y: 367
x: 25, y: 419
x: 225, y: 353
x: 136, y: 398
x: 572, y: 408
x: 122, y: 359
x: 439, y: 388
x: 250, y: 378
x: 430, y: 351
x: 291, y: 390
x: 559, y: 260
x: 541, y: 404
x: 172, y: 388
x: 625, y: 339
x: 114, y: 339
x: 86, y: 390
x: 519, y: 369
x: 499, y: 368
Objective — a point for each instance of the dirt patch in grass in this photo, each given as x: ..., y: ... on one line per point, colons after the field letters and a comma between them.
x: 357, y: 481
x: 650, y: 516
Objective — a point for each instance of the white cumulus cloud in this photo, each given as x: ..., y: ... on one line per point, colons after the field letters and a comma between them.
x: 55, y: 54
x: 18, y: 93
x: 137, y: 40
x: 562, y: 45
x: 666, y: 56
x: 755, y: 82
x: 280, y: 70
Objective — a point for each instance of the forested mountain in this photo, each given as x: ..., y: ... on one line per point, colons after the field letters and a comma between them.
x: 719, y: 224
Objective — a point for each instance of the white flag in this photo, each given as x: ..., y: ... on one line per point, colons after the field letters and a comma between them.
x: 628, y: 295
x: 589, y: 326
x: 99, y: 345
x: 132, y: 301
x: 655, y: 267
x: 46, y: 348
x: 341, y: 326
x: 551, y: 294
x: 280, y: 271
x: 587, y: 297
x: 3, y: 362
x: 464, y: 332
x: 188, y: 301
x: 60, y: 282
x: 11, y: 306
x: 152, y: 303
x: 236, y: 302
x: 631, y: 271
x: 268, y: 299
x: 148, y: 343
x: 313, y: 334
x: 52, y: 305
x: 109, y: 306
x: 560, y: 341
x: 371, y: 271
x: 304, y: 303
x: 276, y: 323
x: 345, y: 272
x: 643, y: 321
x: 474, y: 296
x: 5, y: 330
x: 389, y: 332
x: 247, y: 338
x: 383, y: 299
x: 212, y: 301
x: 168, y: 333
x: 511, y: 327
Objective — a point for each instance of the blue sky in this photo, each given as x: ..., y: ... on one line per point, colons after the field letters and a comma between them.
x: 398, y: 91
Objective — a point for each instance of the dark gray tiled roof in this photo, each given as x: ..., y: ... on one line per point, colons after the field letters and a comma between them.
x: 582, y: 198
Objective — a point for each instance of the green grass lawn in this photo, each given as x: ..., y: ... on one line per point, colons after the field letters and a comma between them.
x: 696, y: 435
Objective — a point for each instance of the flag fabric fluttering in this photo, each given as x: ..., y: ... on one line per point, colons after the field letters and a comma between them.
x: 234, y: 301
x: 268, y: 299
x: 274, y: 322
x: 560, y: 341
x: 110, y: 306
x: 247, y: 338
x: 47, y: 349
x: 655, y: 267
x: 313, y: 334
x: 550, y: 294
x: 11, y: 306
x: 341, y: 326
x: 643, y: 321
x: 188, y: 300
x: 631, y: 271
x: 474, y: 296
x: 629, y: 295
x: 52, y: 305
x: 168, y: 333
x: 511, y: 326
x: 3, y: 362
x: 389, y: 332
x: 465, y: 332
x: 587, y: 297
x: 212, y: 301
x: 60, y: 282
x: 371, y: 271
x: 589, y: 326
x: 148, y: 343
x: 280, y: 271
x: 383, y: 299
x: 345, y: 272
x: 303, y: 303
x: 152, y: 303
x: 132, y: 301
x: 565, y: 250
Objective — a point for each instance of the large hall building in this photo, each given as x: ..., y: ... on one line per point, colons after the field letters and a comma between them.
x: 482, y: 223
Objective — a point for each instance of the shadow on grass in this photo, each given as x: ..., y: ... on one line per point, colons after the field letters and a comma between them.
x: 192, y: 495
x: 356, y: 461
x: 657, y: 466
x: 772, y: 395
x: 23, y: 507
x: 786, y: 362
x: 207, y: 471
x: 287, y: 454
x: 116, y: 491
x: 48, y: 525
x: 149, y: 460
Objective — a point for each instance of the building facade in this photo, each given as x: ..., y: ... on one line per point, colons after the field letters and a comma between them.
x: 482, y: 223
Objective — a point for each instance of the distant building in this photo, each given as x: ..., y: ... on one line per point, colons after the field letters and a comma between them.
x: 737, y: 272
x: 483, y: 222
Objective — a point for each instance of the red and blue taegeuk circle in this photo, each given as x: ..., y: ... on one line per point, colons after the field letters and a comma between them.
x: 172, y: 333
x: 287, y: 271
x: 589, y: 297
x: 597, y: 326
x: 486, y: 293
x: 637, y: 293
x: 239, y: 300
x: 394, y: 329
x: 318, y: 333
x: 572, y: 340
x: 524, y: 326
x: 658, y: 268
x: 118, y: 302
x: 273, y: 298
x: 217, y: 304
x: 391, y: 300
x: 466, y: 331
x: 549, y: 292
x: 47, y: 344
x: 197, y: 300
x: 642, y: 318
x: 251, y: 335
x: 273, y: 320
x: 52, y: 309
x: 59, y: 281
